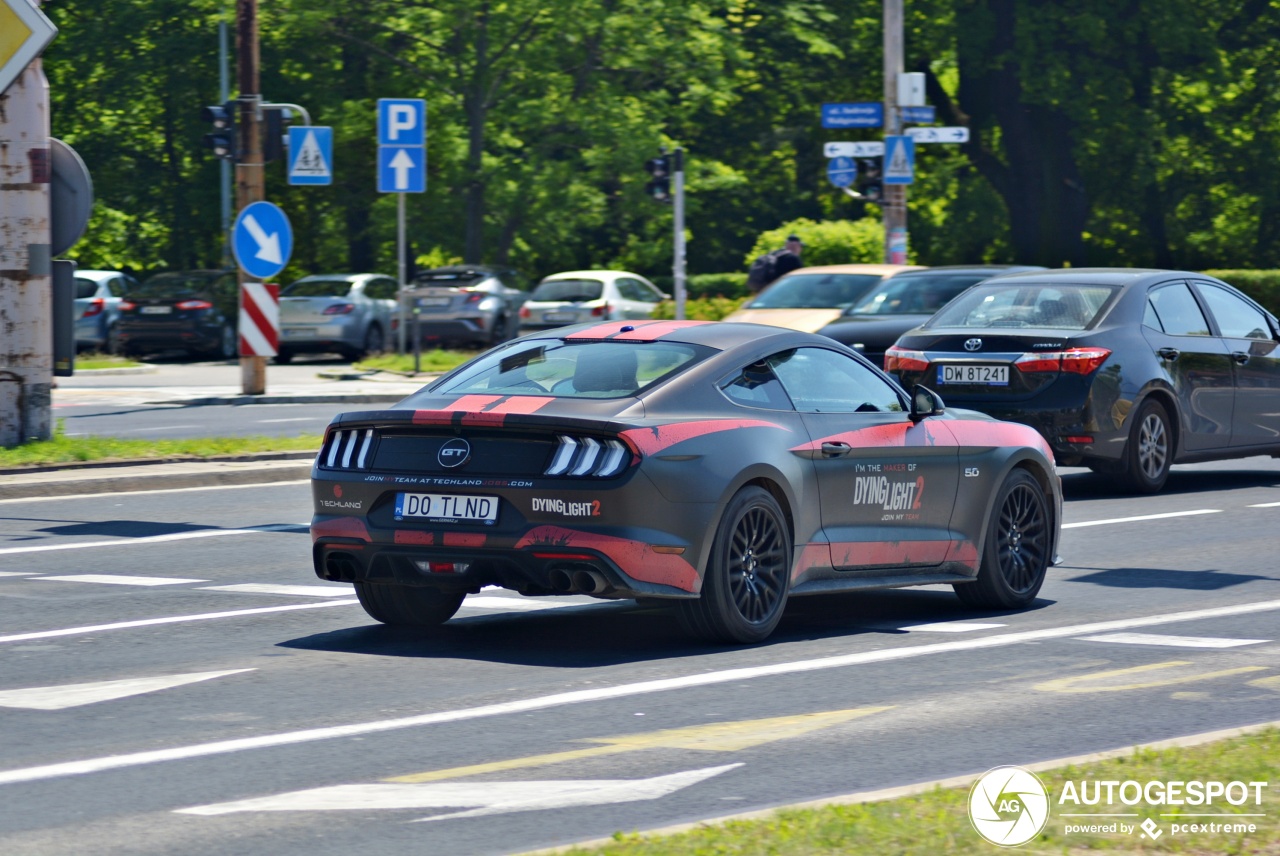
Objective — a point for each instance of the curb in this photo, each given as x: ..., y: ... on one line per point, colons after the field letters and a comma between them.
x: 128, y: 476
x: 919, y: 788
x: 324, y: 398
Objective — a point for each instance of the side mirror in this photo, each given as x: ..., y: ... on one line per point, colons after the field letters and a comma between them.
x: 925, y: 402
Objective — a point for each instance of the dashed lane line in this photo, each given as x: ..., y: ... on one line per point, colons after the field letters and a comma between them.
x: 1141, y: 517
x: 156, y: 539
x: 1172, y: 641
x: 98, y: 496
x: 119, y: 580
x: 595, y: 694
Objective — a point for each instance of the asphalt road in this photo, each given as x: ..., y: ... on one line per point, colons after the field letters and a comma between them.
x: 254, y: 709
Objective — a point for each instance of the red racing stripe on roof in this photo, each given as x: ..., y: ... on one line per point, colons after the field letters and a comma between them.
x: 653, y: 440
x: 522, y: 404
x: 444, y: 416
x: 655, y: 330
x: 608, y: 329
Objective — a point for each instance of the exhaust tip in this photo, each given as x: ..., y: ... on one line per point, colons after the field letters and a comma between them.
x: 560, y: 580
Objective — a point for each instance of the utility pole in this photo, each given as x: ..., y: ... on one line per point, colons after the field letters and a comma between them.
x: 894, y: 195
x: 250, y: 184
x: 677, y: 267
x: 224, y: 165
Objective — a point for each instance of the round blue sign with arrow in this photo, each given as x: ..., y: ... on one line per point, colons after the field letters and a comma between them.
x: 262, y: 240
x: 842, y: 171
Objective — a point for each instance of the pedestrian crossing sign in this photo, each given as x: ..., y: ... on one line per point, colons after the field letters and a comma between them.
x: 899, y: 160
x: 311, y: 155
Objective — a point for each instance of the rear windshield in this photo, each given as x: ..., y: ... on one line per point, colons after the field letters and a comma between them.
x: 1055, y: 307
x: 317, y: 288
x: 85, y: 288
x: 455, y: 279
x: 569, y: 290
x: 170, y: 284
x: 564, y: 369
x: 915, y: 295
x: 815, y: 291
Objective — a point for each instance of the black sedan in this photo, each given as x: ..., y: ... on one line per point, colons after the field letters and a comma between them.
x: 195, y: 311
x: 1124, y: 371
x: 905, y: 301
x: 721, y: 466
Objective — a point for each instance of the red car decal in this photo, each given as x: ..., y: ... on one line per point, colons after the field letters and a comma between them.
x: 974, y: 432
x: 650, y: 441
x: 811, y: 556
x: 417, y: 539
x: 655, y: 330
x: 482, y: 409
x: 340, y: 527
x: 634, y: 557
x: 818, y: 555
x: 607, y: 329
x: 464, y: 539
x: 956, y: 432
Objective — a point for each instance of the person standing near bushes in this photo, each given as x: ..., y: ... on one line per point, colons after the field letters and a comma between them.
x: 770, y: 266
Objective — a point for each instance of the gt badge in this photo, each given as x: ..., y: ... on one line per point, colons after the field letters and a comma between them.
x: 454, y: 453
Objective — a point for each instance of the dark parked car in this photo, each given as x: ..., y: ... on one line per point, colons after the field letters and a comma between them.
x: 1124, y: 371
x: 196, y: 311
x: 467, y: 304
x: 97, y: 303
x: 904, y: 301
x: 720, y: 466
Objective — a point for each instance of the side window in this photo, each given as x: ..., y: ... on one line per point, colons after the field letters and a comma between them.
x: 1236, y: 318
x: 116, y: 286
x: 822, y: 381
x: 1150, y: 318
x: 1178, y: 311
x: 380, y: 289
x: 757, y: 386
x: 652, y: 294
x: 627, y: 288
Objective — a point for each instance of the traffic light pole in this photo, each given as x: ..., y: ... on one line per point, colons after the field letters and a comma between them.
x: 677, y: 268
x: 894, y: 195
x: 250, y: 182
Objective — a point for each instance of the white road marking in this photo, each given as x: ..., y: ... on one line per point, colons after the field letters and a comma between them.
x: 950, y: 627
x: 75, y: 695
x: 1266, y: 505
x: 16, y: 573
x: 173, y: 619
x: 295, y: 419
x: 157, y: 428
x: 1172, y: 641
x: 154, y: 539
x: 515, y: 604
x: 118, y: 580
x: 488, y: 797
x: 702, y: 679
x: 1164, y: 516
x: 26, y: 499
x: 299, y: 591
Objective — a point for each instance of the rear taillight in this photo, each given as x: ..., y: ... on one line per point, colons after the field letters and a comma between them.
x: 94, y: 308
x: 474, y: 297
x: 600, y: 311
x: 588, y: 457
x: 525, y: 313
x: 340, y: 309
x: 127, y: 306
x: 1081, y: 361
x: 346, y: 449
x: 902, y: 360
x: 193, y: 304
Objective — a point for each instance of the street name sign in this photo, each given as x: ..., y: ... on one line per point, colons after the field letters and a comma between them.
x: 402, y: 145
x: 917, y: 114
x: 865, y: 114
x: 262, y: 240
x: 899, y: 160
x: 24, y: 34
x: 842, y: 171
x: 311, y: 155
x: 958, y: 134
x: 868, y: 149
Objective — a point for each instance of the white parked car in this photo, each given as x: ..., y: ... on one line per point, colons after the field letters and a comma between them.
x: 97, y: 302
x: 352, y: 314
x: 588, y: 295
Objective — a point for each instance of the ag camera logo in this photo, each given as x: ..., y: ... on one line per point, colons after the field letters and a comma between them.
x: 1008, y: 806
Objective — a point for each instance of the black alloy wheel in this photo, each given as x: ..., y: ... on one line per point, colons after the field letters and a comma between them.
x: 373, y: 341
x: 1149, y: 452
x: 412, y: 606
x: 498, y: 334
x: 227, y: 344
x: 748, y: 576
x: 1016, y: 554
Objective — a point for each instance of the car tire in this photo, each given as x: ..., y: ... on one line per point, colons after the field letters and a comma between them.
x: 374, y: 342
x: 412, y: 606
x: 1149, y: 452
x: 499, y: 333
x: 112, y: 343
x: 227, y: 345
x: 282, y: 356
x: 1016, y: 553
x: 748, y: 575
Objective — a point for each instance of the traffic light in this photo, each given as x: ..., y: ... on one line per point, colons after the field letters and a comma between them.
x: 659, y: 169
x: 223, y: 137
x: 870, y: 173
x: 275, y: 124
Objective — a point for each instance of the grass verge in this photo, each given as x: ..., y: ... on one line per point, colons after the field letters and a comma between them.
x: 937, y: 822
x: 433, y: 361
x: 95, y: 360
x: 63, y: 450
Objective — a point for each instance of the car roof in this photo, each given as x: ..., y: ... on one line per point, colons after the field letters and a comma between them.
x: 474, y: 270
x: 581, y: 274
x: 98, y: 274
x: 989, y: 269
x: 721, y: 335
x: 347, y: 276
x: 1095, y: 276
x: 881, y: 269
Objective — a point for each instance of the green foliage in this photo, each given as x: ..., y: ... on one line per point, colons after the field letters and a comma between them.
x: 62, y: 449
x: 700, y: 309
x: 434, y: 361
x: 829, y: 242
x: 1262, y: 285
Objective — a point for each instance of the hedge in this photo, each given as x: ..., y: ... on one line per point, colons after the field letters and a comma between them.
x: 707, y: 284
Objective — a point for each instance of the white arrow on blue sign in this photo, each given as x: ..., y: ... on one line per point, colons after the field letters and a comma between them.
x: 841, y: 171
x: 864, y: 149
x: 402, y: 145
x: 956, y: 134
x: 262, y: 240
x: 311, y: 155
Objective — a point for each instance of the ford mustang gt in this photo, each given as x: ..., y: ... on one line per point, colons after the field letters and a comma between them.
x: 724, y: 467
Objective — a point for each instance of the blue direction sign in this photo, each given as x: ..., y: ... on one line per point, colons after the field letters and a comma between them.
x: 402, y: 145
x: 866, y: 114
x: 841, y: 171
x: 918, y: 115
x: 899, y: 160
x: 262, y: 240
x: 311, y: 155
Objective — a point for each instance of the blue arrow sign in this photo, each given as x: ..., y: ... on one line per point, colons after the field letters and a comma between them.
x: 842, y: 171
x: 262, y: 240
x: 402, y: 145
x: 865, y: 114
x: 402, y: 169
x: 311, y: 155
x: 899, y: 160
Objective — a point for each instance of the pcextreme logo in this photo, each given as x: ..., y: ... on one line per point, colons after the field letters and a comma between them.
x: 1008, y: 806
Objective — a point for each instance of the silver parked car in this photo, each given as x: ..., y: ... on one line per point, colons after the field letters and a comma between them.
x: 589, y: 295
x: 352, y: 314
x: 97, y: 302
x: 467, y: 304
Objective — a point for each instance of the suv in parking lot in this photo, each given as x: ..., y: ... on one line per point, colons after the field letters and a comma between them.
x: 468, y: 304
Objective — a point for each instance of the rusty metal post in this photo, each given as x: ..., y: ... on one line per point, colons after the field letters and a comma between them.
x: 26, y: 266
x: 250, y: 181
x: 894, y: 196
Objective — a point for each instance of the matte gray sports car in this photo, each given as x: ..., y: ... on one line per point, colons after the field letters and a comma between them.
x: 722, y: 466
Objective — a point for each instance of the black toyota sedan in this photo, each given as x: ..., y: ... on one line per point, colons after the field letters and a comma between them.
x: 904, y: 301
x: 1124, y: 371
x: 195, y: 311
x: 721, y: 466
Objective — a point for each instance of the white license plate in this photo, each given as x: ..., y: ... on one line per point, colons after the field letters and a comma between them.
x: 297, y: 332
x: 990, y: 375
x: 560, y: 316
x: 156, y: 310
x: 447, y: 507
x: 434, y: 301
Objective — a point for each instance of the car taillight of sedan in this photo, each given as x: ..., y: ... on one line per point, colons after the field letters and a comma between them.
x: 188, y: 305
x: 95, y: 307
x: 600, y: 311
x: 340, y: 309
x: 127, y: 306
x: 1081, y: 361
x: 525, y: 313
x: 902, y: 360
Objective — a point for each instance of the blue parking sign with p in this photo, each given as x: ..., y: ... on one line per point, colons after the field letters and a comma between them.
x: 402, y: 122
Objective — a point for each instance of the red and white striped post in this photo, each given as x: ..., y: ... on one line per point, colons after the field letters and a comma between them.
x: 259, y: 319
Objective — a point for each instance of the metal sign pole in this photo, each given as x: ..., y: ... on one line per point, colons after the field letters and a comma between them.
x: 402, y: 267
x: 894, y: 195
x: 678, y: 243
